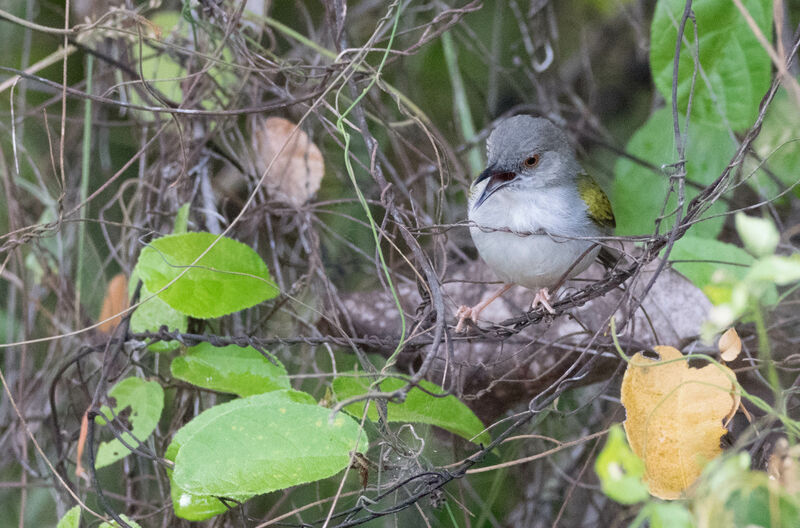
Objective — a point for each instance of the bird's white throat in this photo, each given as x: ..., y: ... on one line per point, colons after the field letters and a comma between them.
x: 532, y: 260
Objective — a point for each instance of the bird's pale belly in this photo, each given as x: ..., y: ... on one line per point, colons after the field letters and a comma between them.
x: 535, y: 261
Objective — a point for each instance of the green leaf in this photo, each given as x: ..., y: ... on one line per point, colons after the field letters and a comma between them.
x: 191, y: 506
x: 115, y: 524
x: 182, y: 220
x: 159, y: 69
x: 638, y: 192
x: 698, y: 259
x: 620, y: 470
x: 777, y: 269
x: 240, y: 370
x: 734, y: 62
x: 670, y: 515
x: 196, y: 507
x: 778, y: 145
x: 763, y: 506
x: 71, y: 519
x: 229, y: 277
x: 733, y: 495
x: 154, y: 313
x: 447, y: 412
x: 759, y: 235
x: 195, y: 425
x: 263, y: 443
x: 137, y: 408
x: 164, y: 57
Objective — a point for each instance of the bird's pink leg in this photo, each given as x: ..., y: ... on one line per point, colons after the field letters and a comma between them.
x: 542, y: 297
x: 466, y: 312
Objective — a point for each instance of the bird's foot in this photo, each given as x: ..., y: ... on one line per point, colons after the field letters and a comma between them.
x: 542, y: 297
x: 465, y: 313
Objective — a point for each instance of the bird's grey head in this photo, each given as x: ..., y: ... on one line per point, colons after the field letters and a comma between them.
x: 527, y: 152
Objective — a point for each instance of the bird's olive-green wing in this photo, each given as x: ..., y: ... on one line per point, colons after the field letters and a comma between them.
x: 597, y: 204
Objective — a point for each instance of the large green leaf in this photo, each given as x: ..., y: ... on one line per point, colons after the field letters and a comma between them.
x: 263, y: 443
x: 229, y: 277
x: 734, y: 62
x: 197, y: 507
x: 447, y: 412
x: 192, y: 506
x: 137, y: 404
x: 240, y: 370
x: 699, y: 258
x: 638, y: 192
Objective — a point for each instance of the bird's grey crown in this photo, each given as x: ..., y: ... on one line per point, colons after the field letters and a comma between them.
x: 520, y: 136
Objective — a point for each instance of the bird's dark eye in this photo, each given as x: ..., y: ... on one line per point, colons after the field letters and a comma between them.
x: 532, y: 161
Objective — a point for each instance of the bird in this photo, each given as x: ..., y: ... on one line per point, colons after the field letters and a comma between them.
x: 536, y: 215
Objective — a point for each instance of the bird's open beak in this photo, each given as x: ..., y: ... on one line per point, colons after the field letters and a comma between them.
x: 497, y: 180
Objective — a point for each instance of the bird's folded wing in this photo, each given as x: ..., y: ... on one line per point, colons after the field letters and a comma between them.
x: 597, y: 204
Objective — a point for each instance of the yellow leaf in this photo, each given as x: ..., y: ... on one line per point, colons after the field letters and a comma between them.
x: 675, y: 417
x: 730, y: 345
x: 295, y: 163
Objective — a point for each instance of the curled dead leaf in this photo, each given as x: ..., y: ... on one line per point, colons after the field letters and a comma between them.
x: 675, y: 417
x: 295, y: 163
x: 115, y: 302
x: 730, y: 345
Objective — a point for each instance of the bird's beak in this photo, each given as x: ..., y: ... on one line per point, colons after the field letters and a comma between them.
x: 497, y: 180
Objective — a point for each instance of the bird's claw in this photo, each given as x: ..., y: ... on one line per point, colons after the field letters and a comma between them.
x: 542, y: 297
x: 464, y: 313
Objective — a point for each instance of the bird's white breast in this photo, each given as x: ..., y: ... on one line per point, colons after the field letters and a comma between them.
x: 532, y: 260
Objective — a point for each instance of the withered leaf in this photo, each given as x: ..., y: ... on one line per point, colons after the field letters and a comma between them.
x: 295, y: 163
x: 675, y: 417
x: 115, y: 302
x: 730, y: 345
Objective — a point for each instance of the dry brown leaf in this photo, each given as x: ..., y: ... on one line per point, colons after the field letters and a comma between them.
x: 296, y: 173
x: 79, y: 471
x: 730, y: 345
x: 674, y: 417
x: 115, y: 301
